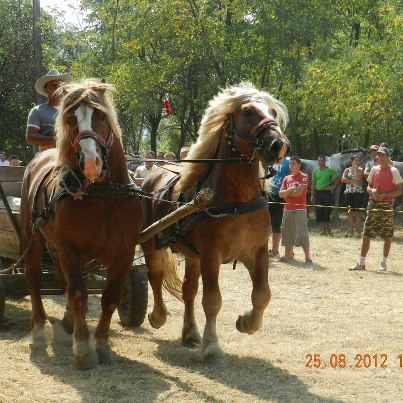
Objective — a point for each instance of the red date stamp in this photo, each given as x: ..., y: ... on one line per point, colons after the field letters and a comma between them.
x: 359, y: 360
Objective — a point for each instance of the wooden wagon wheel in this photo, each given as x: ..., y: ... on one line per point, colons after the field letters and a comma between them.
x: 2, y: 299
x: 133, y: 307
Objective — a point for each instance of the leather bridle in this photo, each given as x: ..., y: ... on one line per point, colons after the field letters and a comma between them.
x: 247, y: 143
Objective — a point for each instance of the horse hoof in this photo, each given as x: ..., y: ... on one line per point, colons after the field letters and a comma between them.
x: 86, y: 362
x: 60, y: 336
x: 41, y: 334
x: 214, y: 355
x: 218, y: 362
x: 192, y: 339
x: 105, y: 357
x: 155, y: 323
x: 243, y: 326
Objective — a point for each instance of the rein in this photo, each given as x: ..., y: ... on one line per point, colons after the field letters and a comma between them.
x: 198, y: 161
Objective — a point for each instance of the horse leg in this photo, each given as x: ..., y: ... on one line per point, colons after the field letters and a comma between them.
x: 212, y: 301
x: 111, y: 297
x: 85, y: 356
x: 33, y: 275
x: 252, y: 320
x: 155, y: 271
x: 190, y: 333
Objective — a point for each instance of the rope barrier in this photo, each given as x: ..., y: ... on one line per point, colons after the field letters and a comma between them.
x: 339, y: 207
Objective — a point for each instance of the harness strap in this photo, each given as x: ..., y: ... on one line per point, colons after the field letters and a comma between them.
x: 232, y: 210
x: 71, y: 185
x: 185, y: 225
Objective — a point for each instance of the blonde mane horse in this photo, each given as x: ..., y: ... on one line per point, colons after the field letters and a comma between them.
x: 241, y: 126
x: 213, y: 124
x: 95, y: 215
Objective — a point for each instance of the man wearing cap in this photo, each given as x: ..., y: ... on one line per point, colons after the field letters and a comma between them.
x: 384, y: 184
x: 370, y: 164
x: 41, y: 118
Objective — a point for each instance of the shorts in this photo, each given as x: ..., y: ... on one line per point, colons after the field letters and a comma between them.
x: 355, y: 200
x: 323, y: 198
x: 379, y: 222
x: 276, y: 207
x: 294, y: 228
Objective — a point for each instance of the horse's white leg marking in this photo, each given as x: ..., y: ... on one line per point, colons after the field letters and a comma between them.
x: 92, y: 160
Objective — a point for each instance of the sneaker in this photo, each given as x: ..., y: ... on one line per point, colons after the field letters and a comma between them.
x: 357, y: 266
x: 308, y: 260
x: 383, y: 267
x: 273, y: 255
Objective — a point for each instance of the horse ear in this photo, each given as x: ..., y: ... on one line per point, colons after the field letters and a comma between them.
x: 61, y: 91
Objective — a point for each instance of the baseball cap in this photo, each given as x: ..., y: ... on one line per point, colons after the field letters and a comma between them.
x: 373, y: 147
x: 383, y: 150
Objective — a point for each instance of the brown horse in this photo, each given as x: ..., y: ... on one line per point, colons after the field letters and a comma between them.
x: 78, y: 198
x: 240, y: 127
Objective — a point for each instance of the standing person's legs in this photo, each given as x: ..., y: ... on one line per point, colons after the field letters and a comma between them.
x: 288, y: 235
x: 387, y: 242
x: 350, y: 213
x: 386, y: 231
x: 276, y: 207
x: 350, y: 218
x: 328, y: 201
x: 320, y: 211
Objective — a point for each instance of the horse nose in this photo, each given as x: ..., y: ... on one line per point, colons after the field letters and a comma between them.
x: 92, y: 168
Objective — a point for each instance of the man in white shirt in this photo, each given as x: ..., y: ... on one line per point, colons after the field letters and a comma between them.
x: 142, y: 171
x: 370, y: 164
x: 3, y: 161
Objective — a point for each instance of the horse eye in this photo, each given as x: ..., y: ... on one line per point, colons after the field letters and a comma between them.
x: 273, y: 113
x: 247, y: 112
x: 99, y: 115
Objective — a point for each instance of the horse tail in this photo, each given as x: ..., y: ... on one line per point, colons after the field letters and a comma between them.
x: 172, y: 283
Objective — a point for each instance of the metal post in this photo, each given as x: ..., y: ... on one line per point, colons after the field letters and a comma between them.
x: 37, y: 45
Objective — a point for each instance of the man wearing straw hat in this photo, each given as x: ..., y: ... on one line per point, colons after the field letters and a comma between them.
x: 41, y: 118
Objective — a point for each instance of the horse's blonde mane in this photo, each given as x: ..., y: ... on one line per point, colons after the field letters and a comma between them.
x: 90, y: 92
x: 213, y: 122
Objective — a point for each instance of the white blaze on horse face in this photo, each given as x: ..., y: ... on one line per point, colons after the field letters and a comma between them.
x: 266, y: 111
x: 89, y: 149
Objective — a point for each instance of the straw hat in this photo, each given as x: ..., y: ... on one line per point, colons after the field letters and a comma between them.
x: 50, y: 76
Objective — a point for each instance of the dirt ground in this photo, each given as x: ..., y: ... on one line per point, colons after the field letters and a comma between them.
x: 349, y: 324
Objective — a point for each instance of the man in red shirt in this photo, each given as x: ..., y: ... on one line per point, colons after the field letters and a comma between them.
x: 384, y: 184
x: 295, y: 224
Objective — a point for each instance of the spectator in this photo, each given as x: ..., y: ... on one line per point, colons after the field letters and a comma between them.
x: 384, y: 184
x: 295, y: 222
x: 184, y: 152
x: 41, y: 118
x: 14, y: 161
x: 324, y: 180
x: 3, y: 161
x: 354, y: 192
x: 276, y: 204
x: 134, y: 161
x: 160, y: 157
x: 142, y: 171
x: 169, y: 156
x: 368, y: 166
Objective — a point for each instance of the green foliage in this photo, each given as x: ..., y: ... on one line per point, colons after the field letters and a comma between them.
x: 336, y: 65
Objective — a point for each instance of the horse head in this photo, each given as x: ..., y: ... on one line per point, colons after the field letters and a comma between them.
x: 86, y: 127
x: 254, y: 131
